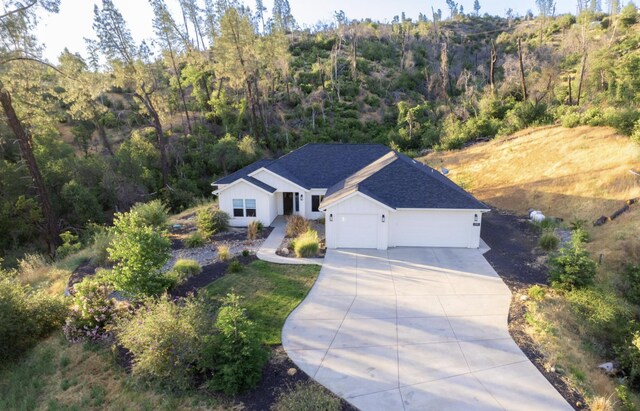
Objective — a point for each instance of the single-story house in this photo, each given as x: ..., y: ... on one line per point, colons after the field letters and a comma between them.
x: 370, y: 196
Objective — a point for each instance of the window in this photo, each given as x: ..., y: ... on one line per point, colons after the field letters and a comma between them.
x: 315, y: 202
x: 238, y: 208
x: 250, y: 205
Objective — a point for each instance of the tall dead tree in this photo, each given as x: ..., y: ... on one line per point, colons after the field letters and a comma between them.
x: 492, y: 66
x: 582, y: 70
x: 525, y: 95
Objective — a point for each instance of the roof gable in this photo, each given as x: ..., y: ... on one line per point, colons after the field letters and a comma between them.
x: 400, y: 182
x: 243, y: 172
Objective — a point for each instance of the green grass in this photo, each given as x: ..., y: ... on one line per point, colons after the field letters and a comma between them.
x: 270, y: 292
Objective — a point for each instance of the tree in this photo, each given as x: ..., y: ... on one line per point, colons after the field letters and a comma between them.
x: 476, y: 7
x: 282, y: 17
x: 132, y: 69
x: 546, y: 8
x: 17, y: 44
x: 453, y: 8
x: 260, y: 9
x: 138, y: 251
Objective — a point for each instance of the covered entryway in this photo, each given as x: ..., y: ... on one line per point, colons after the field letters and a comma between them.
x: 357, y: 230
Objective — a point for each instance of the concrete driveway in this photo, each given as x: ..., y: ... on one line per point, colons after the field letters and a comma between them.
x: 414, y: 329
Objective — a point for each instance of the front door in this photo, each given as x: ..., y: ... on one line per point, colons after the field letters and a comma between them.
x: 287, y: 205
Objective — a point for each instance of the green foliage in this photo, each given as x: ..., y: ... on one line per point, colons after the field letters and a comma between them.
x: 153, y: 213
x: 70, y: 244
x: 246, y: 253
x: 296, y: 225
x: 536, y: 292
x: 635, y: 135
x: 238, y: 357
x: 306, y: 396
x: 26, y: 316
x: 622, y: 391
x: 572, y: 267
x: 100, y: 242
x: 138, y: 251
x: 549, y: 241
x: 307, y: 244
x: 168, y: 340
x: 183, y: 269
x: 235, y: 266
x: 194, y: 240
x: 629, y: 354
x: 82, y: 205
x: 601, y: 314
x: 211, y: 221
x: 92, y: 312
x: 581, y: 235
x: 523, y: 115
x: 628, y: 15
x: 631, y: 283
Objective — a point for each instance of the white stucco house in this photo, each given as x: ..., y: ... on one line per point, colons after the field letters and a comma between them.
x: 370, y: 196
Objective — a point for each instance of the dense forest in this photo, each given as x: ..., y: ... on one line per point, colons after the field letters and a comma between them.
x: 222, y: 85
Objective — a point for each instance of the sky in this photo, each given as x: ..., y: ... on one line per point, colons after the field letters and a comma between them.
x: 75, y: 19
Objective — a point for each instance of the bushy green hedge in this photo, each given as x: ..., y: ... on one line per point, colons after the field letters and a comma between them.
x: 26, y: 316
x: 210, y: 222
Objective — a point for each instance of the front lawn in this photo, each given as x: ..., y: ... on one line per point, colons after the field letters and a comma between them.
x: 270, y: 292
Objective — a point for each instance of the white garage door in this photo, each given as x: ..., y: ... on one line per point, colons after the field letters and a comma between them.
x: 357, y: 230
x: 435, y: 229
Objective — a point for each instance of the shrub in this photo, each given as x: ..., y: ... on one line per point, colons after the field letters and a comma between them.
x: 210, y: 221
x: 296, y: 225
x: 139, y: 251
x: 600, y: 312
x: 153, y: 213
x: 246, y: 253
x: 195, y: 240
x: 70, y: 244
x: 99, y: 245
x: 631, y: 283
x: 184, y: 269
x: 223, y: 253
x: 549, y: 241
x: 572, y: 267
x: 629, y: 355
x: 306, y: 396
x: 238, y: 357
x: 581, y: 235
x: 91, y: 313
x: 33, y: 268
x: 167, y: 340
x: 635, y: 134
x: 26, y: 316
x: 307, y: 244
x: 536, y: 293
x: 235, y: 266
x: 253, y: 229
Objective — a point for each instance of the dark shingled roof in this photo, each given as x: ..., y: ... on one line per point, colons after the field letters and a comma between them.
x: 322, y: 165
x: 243, y: 172
x: 400, y: 182
x: 259, y: 183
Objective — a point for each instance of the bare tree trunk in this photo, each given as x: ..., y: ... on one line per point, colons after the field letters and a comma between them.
x: 492, y: 67
x: 26, y: 150
x: 162, y: 143
x: 180, y: 88
x: 522, y: 77
x: 582, y: 70
x: 102, y: 133
x: 570, y: 95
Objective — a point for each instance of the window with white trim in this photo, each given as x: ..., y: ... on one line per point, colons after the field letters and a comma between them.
x: 315, y: 202
x: 250, y: 207
x: 238, y: 207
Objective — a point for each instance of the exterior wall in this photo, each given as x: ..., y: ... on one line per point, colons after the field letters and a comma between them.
x: 265, y: 204
x: 357, y: 205
x: 312, y: 215
x: 435, y: 228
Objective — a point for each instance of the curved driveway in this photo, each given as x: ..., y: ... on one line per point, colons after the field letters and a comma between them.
x: 414, y: 329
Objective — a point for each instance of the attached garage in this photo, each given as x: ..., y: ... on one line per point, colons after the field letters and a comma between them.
x: 397, y: 202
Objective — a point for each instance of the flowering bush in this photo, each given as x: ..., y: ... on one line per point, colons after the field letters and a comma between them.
x: 92, y: 312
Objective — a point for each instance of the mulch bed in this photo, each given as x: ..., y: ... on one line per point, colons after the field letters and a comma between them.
x: 209, y: 274
x: 516, y: 258
x: 275, y: 379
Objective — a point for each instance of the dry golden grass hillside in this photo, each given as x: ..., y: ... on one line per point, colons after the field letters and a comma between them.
x: 570, y: 173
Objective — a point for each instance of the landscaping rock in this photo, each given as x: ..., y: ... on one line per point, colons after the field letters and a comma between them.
x: 292, y: 371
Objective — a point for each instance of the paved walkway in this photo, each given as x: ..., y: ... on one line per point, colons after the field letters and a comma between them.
x: 267, y: 251
x: 414, y: 329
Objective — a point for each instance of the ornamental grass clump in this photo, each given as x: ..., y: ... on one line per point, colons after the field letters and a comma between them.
x: 307, y: 244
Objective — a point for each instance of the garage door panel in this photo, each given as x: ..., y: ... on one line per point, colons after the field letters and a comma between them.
x: 357, y: 230
x: 431, y: 229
